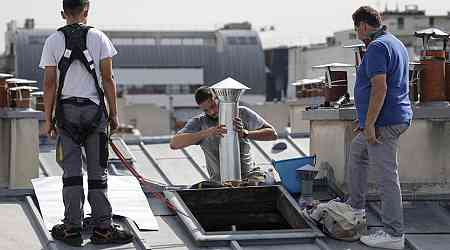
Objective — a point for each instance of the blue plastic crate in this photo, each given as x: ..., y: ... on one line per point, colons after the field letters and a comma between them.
x: 287, y: 171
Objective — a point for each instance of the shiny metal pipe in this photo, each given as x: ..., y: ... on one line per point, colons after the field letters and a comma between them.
x: 228, y: 92
x: 230, y: 163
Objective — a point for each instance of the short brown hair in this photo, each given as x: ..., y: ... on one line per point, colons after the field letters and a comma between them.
x: 368, y: 15
x: 202, y: 94
x: 73, y: 9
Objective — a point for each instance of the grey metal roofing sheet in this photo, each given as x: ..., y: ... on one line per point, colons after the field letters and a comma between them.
x: 303, y: 144
x: 171, y: 235
x: 18, y: 231
x: 145, y: 166
x: 180, y: 171
x: 174, y: 164
x: 259, y: 157
x: 420, y: 218
x: 283, y: 247
x: 343, y: 245
x: 289, y: 152
x: 197, y: 154
x: 430, y: 241
x: 436, y: 219
x: 163, y: 151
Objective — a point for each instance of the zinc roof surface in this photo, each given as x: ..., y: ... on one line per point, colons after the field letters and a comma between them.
x: 427, y: 222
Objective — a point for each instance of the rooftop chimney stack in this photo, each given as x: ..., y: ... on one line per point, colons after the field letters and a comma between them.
x: 29, y: 24
x: 228, y: 92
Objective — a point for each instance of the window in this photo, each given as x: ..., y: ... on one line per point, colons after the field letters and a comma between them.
x: 122, y: 41
x: 242, y: 40
x: 193, y: 41
x: 144, y: 41
x: 352, y: 36
x: 253, y: 40
x: 400, y: 23
x: 155, y: 89
x: 134, y: 41
x: 36, y: 39
x: 173, y: 89
x: 171, y: 41
x: 232, y: 40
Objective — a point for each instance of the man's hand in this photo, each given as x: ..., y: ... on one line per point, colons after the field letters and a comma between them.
x: 113, y: 122
x: 369, y: 132
x: 49, y: 128
x: 218, y: 130
x: 239, y: 127
x: 356, y: 127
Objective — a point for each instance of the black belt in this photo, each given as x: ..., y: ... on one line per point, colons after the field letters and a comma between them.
x: 79, y: 101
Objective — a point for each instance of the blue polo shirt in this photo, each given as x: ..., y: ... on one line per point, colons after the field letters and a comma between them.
x: 385, y: 55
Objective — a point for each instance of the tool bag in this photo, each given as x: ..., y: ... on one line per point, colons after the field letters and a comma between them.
x: 336, y: 219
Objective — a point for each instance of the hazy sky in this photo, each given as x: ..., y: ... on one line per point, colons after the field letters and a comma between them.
x: 295, y: 21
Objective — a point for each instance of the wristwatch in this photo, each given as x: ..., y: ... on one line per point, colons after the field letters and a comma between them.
x: 244, y: 133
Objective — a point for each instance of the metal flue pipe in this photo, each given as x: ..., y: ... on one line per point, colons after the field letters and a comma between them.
x: 307, y: 174
x: 228, y: 93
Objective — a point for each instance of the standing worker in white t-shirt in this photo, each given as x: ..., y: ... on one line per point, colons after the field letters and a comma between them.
x: 71, y: 57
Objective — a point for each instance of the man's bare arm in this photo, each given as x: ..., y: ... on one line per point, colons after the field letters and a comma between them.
x: 49, y: 96
x: 109, y: 86
x: 266, y: 133
x: 183, y: 140
x: 377, y: 96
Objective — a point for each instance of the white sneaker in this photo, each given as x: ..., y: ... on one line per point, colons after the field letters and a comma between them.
x: 382, y: 239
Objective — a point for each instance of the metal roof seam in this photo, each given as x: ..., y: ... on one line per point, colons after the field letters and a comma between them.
x: 133, y: 228
x: 264, y: 153
x: 195, y: 164
x: 42, y: 231
x: 292, y: 142
x: 155, y: 163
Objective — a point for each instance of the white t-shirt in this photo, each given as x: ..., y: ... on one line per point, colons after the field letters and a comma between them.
x: 79, y: 82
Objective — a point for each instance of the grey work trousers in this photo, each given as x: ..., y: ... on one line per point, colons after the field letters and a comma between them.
x: 383, y: 159
x: 69, y: 157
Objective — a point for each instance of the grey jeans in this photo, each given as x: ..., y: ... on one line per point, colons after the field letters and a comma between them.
x: 383, y: 159
x: 69, y: 157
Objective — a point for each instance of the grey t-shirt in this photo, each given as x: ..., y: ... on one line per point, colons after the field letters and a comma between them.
x: 210, y: 145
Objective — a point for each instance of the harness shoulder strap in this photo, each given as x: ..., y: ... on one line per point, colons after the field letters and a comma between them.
x: 75, y: 36
x: 76, y: 49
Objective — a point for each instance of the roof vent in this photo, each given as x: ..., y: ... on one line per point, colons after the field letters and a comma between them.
x: 228, y: 92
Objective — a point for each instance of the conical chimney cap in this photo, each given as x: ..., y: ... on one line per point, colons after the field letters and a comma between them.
x: 229, y: 83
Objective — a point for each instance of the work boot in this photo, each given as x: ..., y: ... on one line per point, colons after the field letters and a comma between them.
x: 69, y: 235
x: 111, y: 235
x: 382, y: 239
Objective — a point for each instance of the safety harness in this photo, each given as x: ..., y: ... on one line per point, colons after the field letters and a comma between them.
x: 76, y: 49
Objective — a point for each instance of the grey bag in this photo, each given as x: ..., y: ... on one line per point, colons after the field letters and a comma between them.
x: 336, y: 219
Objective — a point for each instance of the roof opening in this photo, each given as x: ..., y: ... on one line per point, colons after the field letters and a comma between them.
x: 242, y: 209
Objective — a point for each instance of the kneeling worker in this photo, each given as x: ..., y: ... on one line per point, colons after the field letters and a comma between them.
x: 205, y: 131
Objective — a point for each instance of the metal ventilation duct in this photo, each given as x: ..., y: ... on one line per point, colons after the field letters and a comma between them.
x: 228, y: 92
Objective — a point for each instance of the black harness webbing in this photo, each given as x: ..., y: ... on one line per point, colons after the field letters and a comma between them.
x: 76, y: 49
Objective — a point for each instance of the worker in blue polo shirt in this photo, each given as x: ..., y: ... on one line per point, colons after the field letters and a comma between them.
x: 384, y: 113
